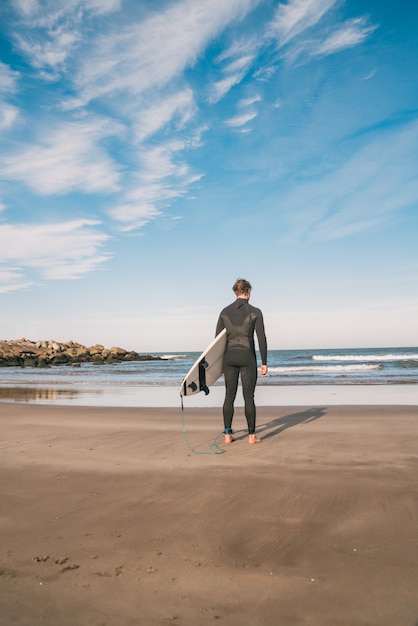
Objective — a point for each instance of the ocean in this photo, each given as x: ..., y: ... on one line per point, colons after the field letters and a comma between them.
x: 360, y: 366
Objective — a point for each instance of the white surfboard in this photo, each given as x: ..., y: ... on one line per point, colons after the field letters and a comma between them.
x: 207, y: 369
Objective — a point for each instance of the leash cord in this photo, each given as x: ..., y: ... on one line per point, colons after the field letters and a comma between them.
x: 214, y: 447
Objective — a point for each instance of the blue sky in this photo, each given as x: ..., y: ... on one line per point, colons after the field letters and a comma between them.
x: 151, y: 152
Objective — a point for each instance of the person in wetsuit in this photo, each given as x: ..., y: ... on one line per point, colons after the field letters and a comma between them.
x: 241, y: 320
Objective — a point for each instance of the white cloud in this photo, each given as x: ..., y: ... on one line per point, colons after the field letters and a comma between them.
x: 293, y: 20
x: 69, y: 158
x: 53, y: 29
x: 221, y: 88
x: 156, y: 116
x: 8, y: 115
x: 98, y: 6
x: 351, y: 33
x: 162, y: 178
x: 65, y: 250
x: 8, y: 85
x: 239, y: 64
x: 370, y: 74
x: 139, y: 59
x: 153, y: 52
x: 12, y: 279
x: 240, y: 120
x: 136, y: 214
x: 241, y: 47
x: 8, y: 79
x: 234, y: 73
x: 249, y: 101
x: 50, y: 54
x: 71, y: 269
x: 158, y: 162
x: 48, y: 14
x: 296, y: 16
x: 26, y: 7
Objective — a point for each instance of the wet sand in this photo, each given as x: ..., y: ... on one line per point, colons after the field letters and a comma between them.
x: 107, y: 517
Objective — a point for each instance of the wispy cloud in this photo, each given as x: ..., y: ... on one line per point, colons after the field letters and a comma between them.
x: 296, y: 27
x: 68, y: 158
x: 180, y: 106
x: 65, y: 250
x: 351, y: 33
x: 369, y: 190
x: 49, y: 15
x: 162, y: 178
x: 8, y: 79
x: 150, y: 54
x: 48, y: 54
x: 131, y: 70
x: 297, y: 16
x: 233, y: 72
x: 8, y: 86
x: 12, y: 279
x: 8, y: 115
x: 246, y: 102
x: 243, y: 117
x: 53, y: 30
x: 240, y: 64
x: 138, y: 74
x: 222, y: 87
x: 240, y: 120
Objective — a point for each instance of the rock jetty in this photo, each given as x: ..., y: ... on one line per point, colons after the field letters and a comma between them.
x: 24, y: 352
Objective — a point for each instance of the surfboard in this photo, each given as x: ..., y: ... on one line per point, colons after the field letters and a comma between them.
x: 207, y: 369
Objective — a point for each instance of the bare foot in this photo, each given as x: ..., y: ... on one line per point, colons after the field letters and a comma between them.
x: 229, y: 439
x: 253, y: 439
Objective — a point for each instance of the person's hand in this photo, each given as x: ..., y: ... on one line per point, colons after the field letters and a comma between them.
x: 263, y: 370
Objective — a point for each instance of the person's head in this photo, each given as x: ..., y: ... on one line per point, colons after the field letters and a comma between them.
x: 242, y: 288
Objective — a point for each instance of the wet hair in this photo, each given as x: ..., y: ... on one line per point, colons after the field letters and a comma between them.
x: 241, y: 287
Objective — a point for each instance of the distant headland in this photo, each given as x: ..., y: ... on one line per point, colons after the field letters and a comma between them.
x: 26, y: 353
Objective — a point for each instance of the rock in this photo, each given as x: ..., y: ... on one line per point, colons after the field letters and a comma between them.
x: 97, y: 349
x: 114, y: 351
x: 23, y: 352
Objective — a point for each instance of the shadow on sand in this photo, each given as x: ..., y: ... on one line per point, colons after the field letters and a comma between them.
x: 277, y: 426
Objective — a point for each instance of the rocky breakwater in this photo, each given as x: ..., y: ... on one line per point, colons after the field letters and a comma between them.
x: 24, y: 352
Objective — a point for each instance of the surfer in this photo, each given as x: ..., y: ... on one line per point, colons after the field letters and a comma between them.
x: 241, y: 320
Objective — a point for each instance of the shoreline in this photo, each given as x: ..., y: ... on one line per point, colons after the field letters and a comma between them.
x: 107, y: 517
x: 168, y: 396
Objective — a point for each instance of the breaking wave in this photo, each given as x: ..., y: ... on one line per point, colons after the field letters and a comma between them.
x: 364, y: 357
x: 325, y: 368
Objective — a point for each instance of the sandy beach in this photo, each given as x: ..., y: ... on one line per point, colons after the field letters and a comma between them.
x: 108, y: 518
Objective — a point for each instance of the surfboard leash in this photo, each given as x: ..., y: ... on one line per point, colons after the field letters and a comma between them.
x: 214, y: 447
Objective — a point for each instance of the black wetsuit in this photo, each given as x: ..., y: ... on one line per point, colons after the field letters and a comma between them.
x: 241, y: 320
